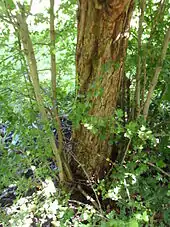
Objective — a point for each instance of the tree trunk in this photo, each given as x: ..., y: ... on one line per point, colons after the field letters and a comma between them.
x: 103, y: 30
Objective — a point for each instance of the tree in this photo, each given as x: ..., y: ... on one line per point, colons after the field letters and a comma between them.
x: 103, y: 30
x: 101, y: 46
x: 21, y: 28
x: 119, y: 112
x: 102, y: 74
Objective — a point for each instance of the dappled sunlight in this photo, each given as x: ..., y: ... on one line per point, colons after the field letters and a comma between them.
x: 48, y: 188
x: 84, y: 113
x: 41, y: 203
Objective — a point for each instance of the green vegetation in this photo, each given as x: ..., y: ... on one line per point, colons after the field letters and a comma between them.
x: 47, y: 110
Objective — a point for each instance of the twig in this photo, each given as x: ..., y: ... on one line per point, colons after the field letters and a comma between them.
x: 6, y: 20
x: 138, y: 69
x: 159, y: 169
x: 78, y: 202
x: 127, y: 148
x: 88, y: 197
x: 43, y: 44
x: 41, y: 70
x: 127, y: 190
x: 11, y: 56
x: 156, y: 20
x: 84, y: 204
x: 10, y: 16
x: 156, y: 74
x: 99, y: 205
x: 65, y: 166
x: 31, y: 2
x: 144, y: 83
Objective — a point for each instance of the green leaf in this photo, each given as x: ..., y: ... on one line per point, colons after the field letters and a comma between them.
x: 145, y: 216
x: 10, y: 4
x: 161, y: 164
x: 119, y: 113
x: 133, y: 223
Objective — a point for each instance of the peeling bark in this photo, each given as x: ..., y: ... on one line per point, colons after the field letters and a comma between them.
x: 102, y: 40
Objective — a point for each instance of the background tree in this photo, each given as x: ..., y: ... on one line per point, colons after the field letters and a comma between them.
x: 103, y: 30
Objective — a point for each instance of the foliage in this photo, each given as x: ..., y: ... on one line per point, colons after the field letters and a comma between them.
x: 135, y: 190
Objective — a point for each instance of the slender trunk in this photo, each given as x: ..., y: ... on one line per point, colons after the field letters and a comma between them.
x: 157, y: 19
x: 138, y: 70
x: 156, y: 74
x: 54, y: 93
x: 128, y: 83
x: 144, y: 83
x: 101, y: 47
x: 123, y: 94
x: 31, y: 61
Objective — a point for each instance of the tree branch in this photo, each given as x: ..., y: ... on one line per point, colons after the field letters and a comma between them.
x: 138, y: 70
x: 159, y: 169
x: 54, y: 94
x: 31, y: 61
x: 156, y: 74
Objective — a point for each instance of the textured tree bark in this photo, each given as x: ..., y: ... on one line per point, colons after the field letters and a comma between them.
x: 103, y: 28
